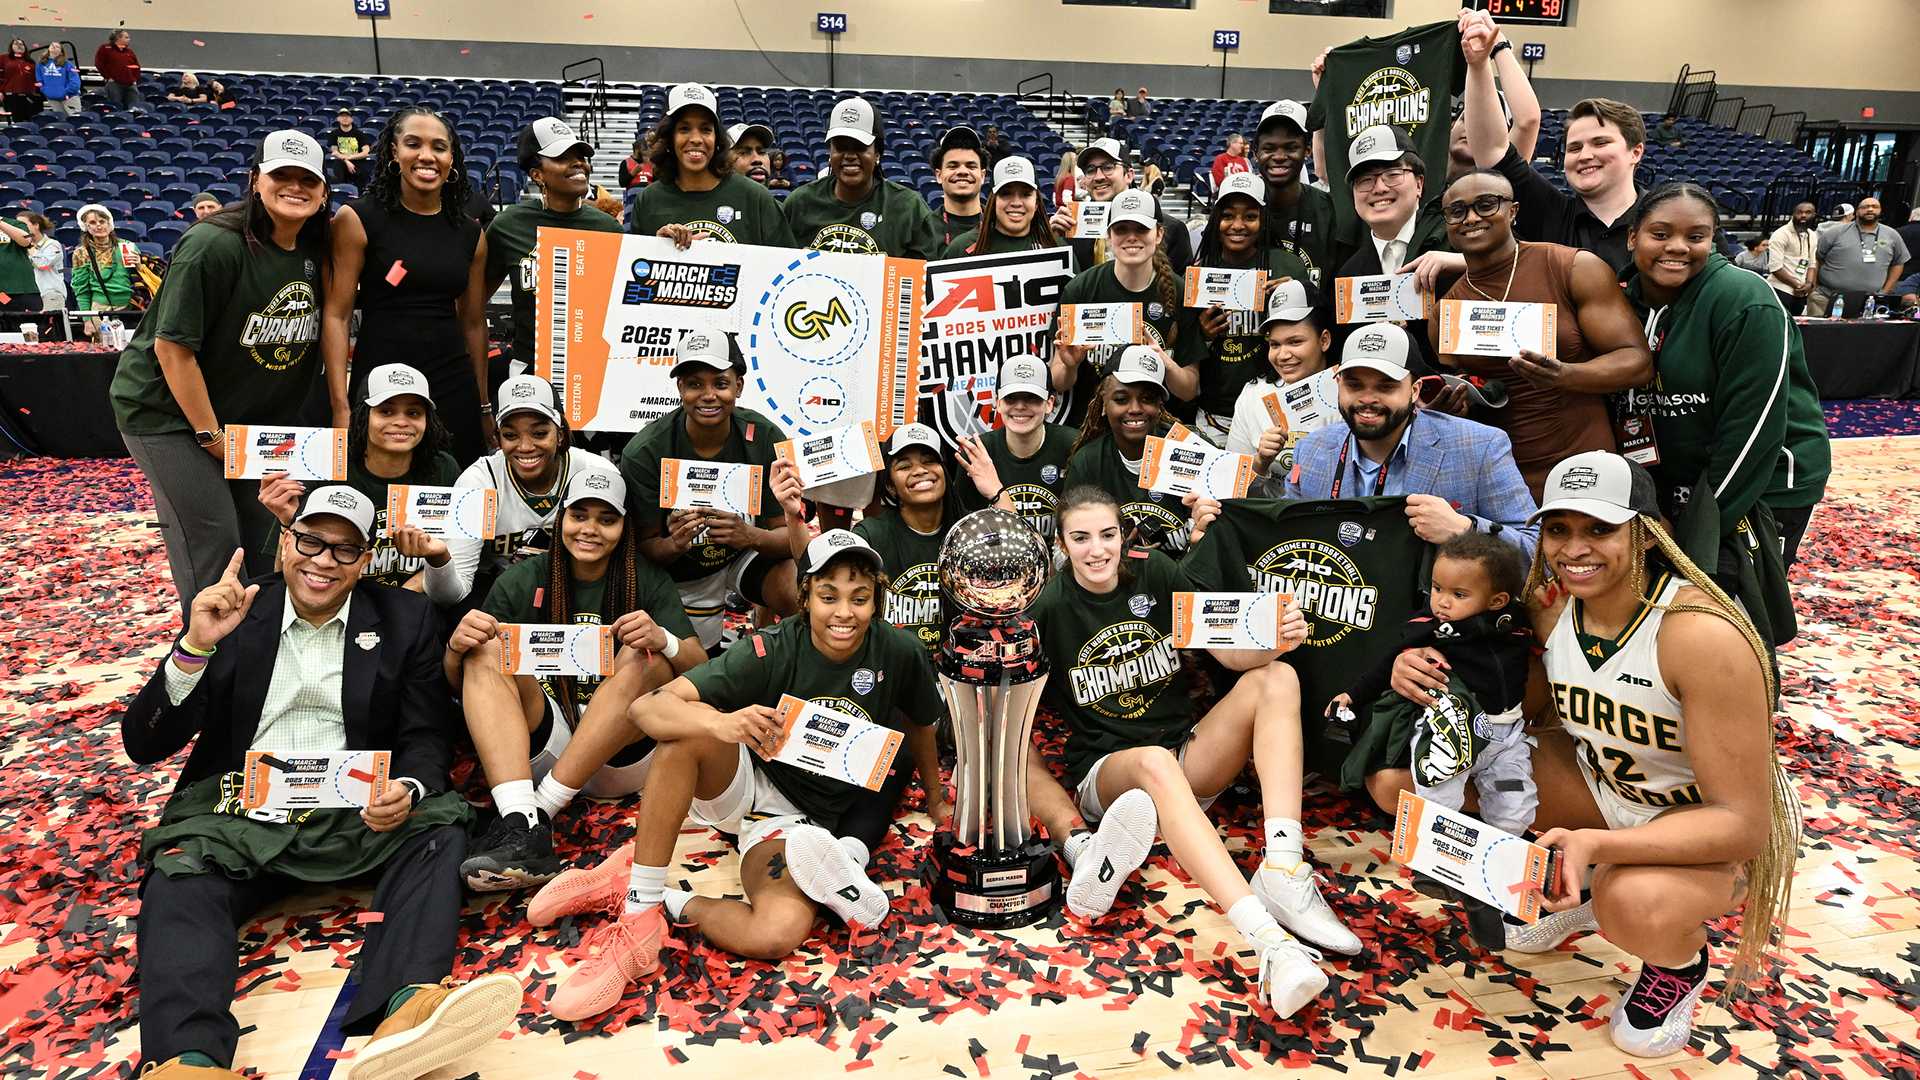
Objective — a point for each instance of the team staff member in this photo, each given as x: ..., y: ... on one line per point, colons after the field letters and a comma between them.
x: 959, y: 164
x: 1295, y: 371
x: 852, y: 207
x: 232, y: 338
x: 1104, y: 165
x: 1128, y: 406
x: 1861, y: 256
x: 1404, y: 233
x: 1027, y: 455
x: 559, y: 162
x: 1299, y: 216
x: 413, y: 260
x: 695, y: 191
x: 1793, y: 248
x: 751, y: 143
x: 1013, y: 221
x: 1139, y: 272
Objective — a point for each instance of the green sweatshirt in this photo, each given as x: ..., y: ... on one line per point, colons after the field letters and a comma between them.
x: 1733, y: 405
x: 892, y: 220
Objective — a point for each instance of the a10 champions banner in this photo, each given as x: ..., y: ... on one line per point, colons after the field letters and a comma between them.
x: 980, y: 311
x: 830, y: 339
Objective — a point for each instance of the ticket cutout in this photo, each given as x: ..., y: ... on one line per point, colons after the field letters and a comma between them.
x: 1103, y: 324
x: 556, y: 649
x: 1380, y: 298
x: 1235, y: 290
x: 688, y: 484
x: 1176, y: 468
x: 315, y: 780
x: 1488, y: 328
x: 1228, y: 620
x: 1089, y: 219
x: 450, y: 513
x: 835, y: 744
x: 1181, y: 433
x: 1486, y: 863
x: 835, y: 454
x: 303, y: 453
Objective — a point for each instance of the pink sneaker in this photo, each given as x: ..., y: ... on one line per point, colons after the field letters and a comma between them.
x: 578, y: 892
x: 622, y: 953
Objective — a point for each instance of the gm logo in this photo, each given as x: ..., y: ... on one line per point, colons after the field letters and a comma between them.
x: 806, y: 323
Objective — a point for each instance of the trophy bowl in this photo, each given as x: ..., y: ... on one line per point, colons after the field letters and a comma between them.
x: 993, y: 563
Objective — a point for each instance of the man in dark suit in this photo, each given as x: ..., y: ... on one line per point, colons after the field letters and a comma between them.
x: 1388, y: 182
x: 307, y: 663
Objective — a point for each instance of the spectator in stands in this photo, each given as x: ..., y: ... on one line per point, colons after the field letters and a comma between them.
x: 1066, y: 182
x: 1104, y: 163
x: 1139, y: 272
x: 777, y: 177
x: 49, y: 262
x: 1299, y: 216
x: 1793, y: 246
x: 1138, y: 108
x: 852, y: 207
x: 222, y: 95
x: 1013, y: 221
x: 1117, y: 114
x: 1556, y: 405
x: 1862, y: 257
x: 1667, y: 132
x: 996, y: 145
x: 19, y: 288
x: 20, y: 97
x: 347, y: 150
x: 59, y: 80
x: 635, y: 169
x: 206, y: 204
x: 1603, y: 144
x: 189, y: 91
x: 411, y: 257
x: 750, y: 143
x: 959, y: 163
x: 695, y: 191
x: 103, y: 265
x: 231, y: 339
x: 117, y: 64
x: 1755, y: 256
x: 1231, y: 160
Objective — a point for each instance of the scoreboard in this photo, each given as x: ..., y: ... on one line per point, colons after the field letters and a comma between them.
x: 1534, y: 12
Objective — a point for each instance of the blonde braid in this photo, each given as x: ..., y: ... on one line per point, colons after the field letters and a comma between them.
x: 1169, y: 286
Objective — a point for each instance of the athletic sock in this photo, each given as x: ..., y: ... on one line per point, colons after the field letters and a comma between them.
x: 1250, y: 917
x: 675, y: 901
x: 553, y: 796
x: 1285, y: 841
x: 516, y: 797
x: 646, y: 888
x: 1076, y: 844
x: 857, y: 848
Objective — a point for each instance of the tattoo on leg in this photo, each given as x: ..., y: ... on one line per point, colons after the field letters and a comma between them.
x: 777, y: 865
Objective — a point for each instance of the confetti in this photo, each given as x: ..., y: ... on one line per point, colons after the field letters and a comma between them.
x: 395, y: 273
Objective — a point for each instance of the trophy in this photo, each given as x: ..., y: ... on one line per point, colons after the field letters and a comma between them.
x: 991, y: 871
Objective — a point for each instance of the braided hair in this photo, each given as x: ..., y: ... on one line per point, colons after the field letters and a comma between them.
x: 385, y: 186
x: 622, y: 595
x: 1094, y: 423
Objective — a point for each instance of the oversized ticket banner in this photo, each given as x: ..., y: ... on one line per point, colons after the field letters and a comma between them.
x: 450, y: 513
x: 835, y: 744
x: 1228, y: 620
x: 1486, y: 328
x: 314, y: 780
x: 829, y: 338
x: 1103, y: 324
x: 687, y: 484
x: 1235, y: 290
x: 980, y: 311
x: 1089, y: 219
x: 835, y: 454
x: 1380, y: 298
x: 1176, y: 468
x: 556, y: 649
x: 303, y: 453
x: 1486, y: 863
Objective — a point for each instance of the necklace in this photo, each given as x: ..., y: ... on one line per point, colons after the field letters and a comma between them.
x: 1508, y: 291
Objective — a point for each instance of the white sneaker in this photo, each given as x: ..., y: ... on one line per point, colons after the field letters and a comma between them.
x: 1664, y: 1000
x: 828, y: 875
x: 1294, y: 899
x: 1547, y: 932
x: 1290, y: 975
x: 1124, y: 838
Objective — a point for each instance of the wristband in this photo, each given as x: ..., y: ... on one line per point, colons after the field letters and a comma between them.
x: 487, y: 406
x: 997, y: 494
x: 671, y: 649
x: 187, y: 659
x: 1501, y: 44
x: 182, y: 646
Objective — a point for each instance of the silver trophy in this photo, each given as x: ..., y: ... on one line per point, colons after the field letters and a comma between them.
x: 991, y: 871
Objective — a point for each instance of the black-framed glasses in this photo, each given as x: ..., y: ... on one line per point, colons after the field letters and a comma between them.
x: 312, y: 544
x: 1384, y: 178
x: 1485, y: 205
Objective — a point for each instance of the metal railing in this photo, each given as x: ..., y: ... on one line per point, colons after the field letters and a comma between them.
x: 1693, y: 92
x: 1725, y: 112
x: 592, y: 76
x: 1040, y: 85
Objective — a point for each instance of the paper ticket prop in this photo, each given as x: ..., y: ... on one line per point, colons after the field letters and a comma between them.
x: 1472, y: 856
x: 1175, y: 468
x: 830, y: 338
x: 1380, y: 298
x: 1235, y: 290
x: 1228, y: 620
x: 314, y: 780
x: 1089, y: 219
x: 1181, y: 433
x: 834, y: 454
x: 1103, y: 324
x: 1486, y: 328
x: 835, y: 744
x: 1301, y: 407
x: 303, y: 453
x: 688, y: 484
x: 450, y: 513
x: 556, y: 649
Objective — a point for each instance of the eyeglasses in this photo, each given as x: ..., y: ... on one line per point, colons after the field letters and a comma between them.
x: 1485, y: 206
x: 312, y: 544
x: 1103, y: 168
x: 1383, y: 178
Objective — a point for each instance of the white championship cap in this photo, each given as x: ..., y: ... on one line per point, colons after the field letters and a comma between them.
x: 695, y: 96
x: 341, y: 501
x: 852, y: 118
x: 1243, y: 183
x: 1380, y: 346
x: 1023, y: 375
x: 837, y: 542
x: 290, y: 147
x: 1600, y: 485
x: 1291, y: 111
x: 392, y: 380
x: 709, y: 349
x: 525, y: 393
x: 553, y: 137
x: 1136, y: 206
x: 603, y: 483
x: 1013, y: 170
x: 1288, y: 303
x: 1140, y: 364
x: 913, y: 435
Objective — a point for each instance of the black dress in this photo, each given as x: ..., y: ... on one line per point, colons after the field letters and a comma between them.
x: 409, y: 315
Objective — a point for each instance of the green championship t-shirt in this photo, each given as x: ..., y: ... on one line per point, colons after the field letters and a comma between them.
x: 1100, y: 286
x: 1116, y: 680
x: 999, y: 244
x: 738, y: 211
x: 1035, y: 483
x: 389, y: 567
x: 912, y: 560
x: 1408, y: 80
x: 16, y: 265
x: 1239, y: 353
x: 1159, y: 519
x: 252, y: 320
x: 892, y: 220
x: 888, y: 681
x: 1306, y: 231
x: 510, y: 255
x: 751, y: 443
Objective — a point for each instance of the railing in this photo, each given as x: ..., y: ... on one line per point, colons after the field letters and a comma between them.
x: 1755, y: 124
x: 593, y: 77
x: 1041, y: 86
x: 1725, y: 112
x: 1693, y: 92
x: 1785, y: 127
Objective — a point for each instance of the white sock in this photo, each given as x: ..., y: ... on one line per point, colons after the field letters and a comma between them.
x: 646, y: 888
x: 1076, y: 844
x: 676, y: 902
x: 553, y: 796
x: 516, y: 797
x: 1285, y: 841
x: 857, y: 848
x: 1250, y: 917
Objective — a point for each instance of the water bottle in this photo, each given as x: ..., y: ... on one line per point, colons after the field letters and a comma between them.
x: 1839, y: 309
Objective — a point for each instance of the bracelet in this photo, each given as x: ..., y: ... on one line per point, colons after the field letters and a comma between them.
x: 187, y: 659
x: 182, y: 646
x: 1501, y: 44
x: 487, y: 406
x: 997, y: 494
x: 671, y: 649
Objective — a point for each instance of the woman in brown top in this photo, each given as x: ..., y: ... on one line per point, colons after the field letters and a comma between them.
x: 1557, y: 406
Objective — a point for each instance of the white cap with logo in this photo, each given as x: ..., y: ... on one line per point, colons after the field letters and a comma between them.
x: 343, y: 502
x: 1133, y: 205
x: 1378, y: 144
x: 1023, y: 375
x: 1140, y: 364
x: 553, y: 137
x: 391, y: 380
x: 1599, y: 485
x: 525, y: 393
x: 291, y: 147
x: 1291, y: 111
x: 913, y: 435
x: 834, y: 542
x: 1289, y: 302
x: 605, y: 484
x: 852, y: 118
x: 1109, y: 147
x: 1380, y: 346
x: 692, y: 95
x: 708, y: 349
x: 741, y: 131
x: 1243, y: 183
x: 1013, y: 170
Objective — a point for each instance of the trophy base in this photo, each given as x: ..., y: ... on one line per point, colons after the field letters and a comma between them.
x: 994, y: 890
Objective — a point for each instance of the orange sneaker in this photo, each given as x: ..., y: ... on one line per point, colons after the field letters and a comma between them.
x: 577, y: 892
x: 621, y: 953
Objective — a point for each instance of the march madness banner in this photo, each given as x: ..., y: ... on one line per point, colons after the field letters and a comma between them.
x: 981, y: 310
x: 830, y: 339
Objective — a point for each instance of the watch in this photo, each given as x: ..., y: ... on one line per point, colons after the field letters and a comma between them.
x: 208, y: 438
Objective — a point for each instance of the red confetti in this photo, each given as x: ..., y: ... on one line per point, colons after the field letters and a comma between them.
x: 395, y: 273
x: 367, y: 918
x: 198, y: 44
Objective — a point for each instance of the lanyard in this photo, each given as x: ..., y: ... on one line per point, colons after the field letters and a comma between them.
x: 1340, y: 471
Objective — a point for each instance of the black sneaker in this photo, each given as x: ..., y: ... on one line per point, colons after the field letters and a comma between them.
x: 512, y: 854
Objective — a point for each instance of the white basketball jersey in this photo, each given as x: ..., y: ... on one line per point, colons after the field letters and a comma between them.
x: 1626, y: 724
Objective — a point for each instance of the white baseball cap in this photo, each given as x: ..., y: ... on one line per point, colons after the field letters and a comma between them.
x: 1599, y: 485
x: 741, y: 131
x: 1133, y: 205
x: 1109, y: 147
x: 291, y: 147
x: 1377, y: 144
x: 1289, y: 302
x: 525, y: 393
x: 852, y: 118
x: 1140, y: 364
x: 392, y: 380
x: 837, y: 542
x: 1023, y: 375
x: 708, y: 349
x: 1380, y: 346
x: 341, y: 501
x: 913, y: 435
x: 1243, y: 183
x: 695, y: 96
x: 605, y: 484
x: 553, y: 137
x: 1013, y: 170
x: 1291, y: 111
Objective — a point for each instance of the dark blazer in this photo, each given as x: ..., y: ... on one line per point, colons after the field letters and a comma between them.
x: 1429, y: 234
x: 394, y: 693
